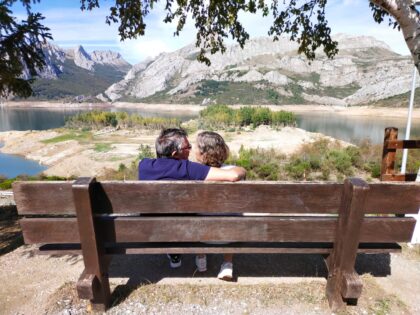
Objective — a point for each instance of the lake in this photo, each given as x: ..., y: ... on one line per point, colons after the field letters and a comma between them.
x: 348, y: 128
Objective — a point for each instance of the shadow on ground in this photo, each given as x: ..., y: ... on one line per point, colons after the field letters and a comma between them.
x: 142, y: 269
x: 147, y: 269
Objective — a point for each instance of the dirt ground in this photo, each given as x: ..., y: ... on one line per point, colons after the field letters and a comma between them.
x: 144, y: 284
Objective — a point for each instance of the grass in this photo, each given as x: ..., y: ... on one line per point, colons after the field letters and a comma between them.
x: 78, y: 136
x: 102, y: 147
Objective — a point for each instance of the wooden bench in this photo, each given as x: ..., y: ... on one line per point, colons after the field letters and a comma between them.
x: 101, y: 219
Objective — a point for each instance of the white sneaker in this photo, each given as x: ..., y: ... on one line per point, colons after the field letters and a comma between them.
x: 201, y: 263
x: 174, y: 260
x: 226, y: 271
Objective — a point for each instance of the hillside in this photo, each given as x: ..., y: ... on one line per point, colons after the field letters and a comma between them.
x: 266, y: 72
x: 76, y: 74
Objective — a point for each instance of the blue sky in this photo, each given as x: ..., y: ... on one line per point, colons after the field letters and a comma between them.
x: 71, y: 27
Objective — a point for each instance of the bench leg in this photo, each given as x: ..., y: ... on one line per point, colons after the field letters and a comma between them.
x: 93, y: 284
x: 97, y: 290
x: 343, y: 283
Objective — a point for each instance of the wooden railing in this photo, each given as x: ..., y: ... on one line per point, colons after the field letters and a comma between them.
x: 391, y: 144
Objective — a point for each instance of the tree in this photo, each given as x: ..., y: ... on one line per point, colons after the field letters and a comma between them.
x: 303, y: 20
x: 20, y: 49
x: 215, y: 20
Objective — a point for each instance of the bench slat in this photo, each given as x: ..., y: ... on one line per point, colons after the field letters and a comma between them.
x: 197, y: 228
x: 387, y: 198
x: 40, y: 198
x: 44, y: 197
x: 236, y: 248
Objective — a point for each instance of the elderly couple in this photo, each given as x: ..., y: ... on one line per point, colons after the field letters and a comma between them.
x: 172, y: 150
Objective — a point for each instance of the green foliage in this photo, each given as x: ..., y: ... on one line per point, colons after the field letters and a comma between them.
x: 145, y: 151
x: 6, y: 183
x: 320, y: 160
x: 230, y: 93
x: 260, y: 164
x: 20, y: 48
x: 298, y: 169
x: 340, y: 92
x: 101, y: 119
x: 222, y: 116
x: 88, y: 84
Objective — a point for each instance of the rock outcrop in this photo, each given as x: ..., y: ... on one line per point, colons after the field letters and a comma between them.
x: 365, y: 70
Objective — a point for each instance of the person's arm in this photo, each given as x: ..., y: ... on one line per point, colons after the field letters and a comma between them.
x: 231, y: 175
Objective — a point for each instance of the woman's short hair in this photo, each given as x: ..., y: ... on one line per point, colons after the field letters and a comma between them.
x: 213, y: 149
x: 169, y: 140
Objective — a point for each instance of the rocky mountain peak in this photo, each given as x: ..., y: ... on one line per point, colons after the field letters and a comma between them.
x: 82, y: 59
x: 365, y: 70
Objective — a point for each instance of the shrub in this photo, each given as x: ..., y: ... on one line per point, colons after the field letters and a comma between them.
x: 101, y: 119
x: 341, y: 161
x: 222, y: 116
x: 298, y: 169
x: 145, y: 152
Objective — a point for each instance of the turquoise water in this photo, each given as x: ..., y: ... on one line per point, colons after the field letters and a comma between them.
x: 12, y: 165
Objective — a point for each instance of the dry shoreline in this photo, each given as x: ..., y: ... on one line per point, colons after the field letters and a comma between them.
x: 369, y: 111
x: 82, y: 158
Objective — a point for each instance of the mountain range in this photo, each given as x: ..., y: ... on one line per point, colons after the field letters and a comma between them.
x: 365, y: 71
x: 76, y: 74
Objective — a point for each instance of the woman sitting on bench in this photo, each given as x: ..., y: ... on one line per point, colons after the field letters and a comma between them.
x: 213, y: 151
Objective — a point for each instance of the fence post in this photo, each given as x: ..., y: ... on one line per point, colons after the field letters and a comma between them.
x: 388, y: 155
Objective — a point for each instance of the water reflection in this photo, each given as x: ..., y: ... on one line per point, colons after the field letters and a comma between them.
x: 354, y: 128
x: 42, y: 119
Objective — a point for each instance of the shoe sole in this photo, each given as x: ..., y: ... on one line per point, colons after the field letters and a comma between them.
x: 225, y: 278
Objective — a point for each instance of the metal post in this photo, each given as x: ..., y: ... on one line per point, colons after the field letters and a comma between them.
x: 408, y: 129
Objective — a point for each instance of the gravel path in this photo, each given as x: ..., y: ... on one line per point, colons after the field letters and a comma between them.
x: 265, y: 284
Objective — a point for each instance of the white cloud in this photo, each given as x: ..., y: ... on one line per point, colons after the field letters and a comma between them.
x: 135, y: 50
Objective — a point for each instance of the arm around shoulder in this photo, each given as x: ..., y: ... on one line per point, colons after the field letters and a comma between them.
x: 231, y: 175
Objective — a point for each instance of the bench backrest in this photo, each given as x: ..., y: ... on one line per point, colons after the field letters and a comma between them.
x: 304, y: 212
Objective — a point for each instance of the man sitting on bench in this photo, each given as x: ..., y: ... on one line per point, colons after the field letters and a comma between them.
x: 172, y: 151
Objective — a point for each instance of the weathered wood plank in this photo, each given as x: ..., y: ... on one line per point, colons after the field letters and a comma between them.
x: 44, y: 197
x: 347, y: 237
x: 411, y: 177
x: 96, y: 267
x: 403, y: 144
x: 388, y: 155
x: 197, y: 228
x: 393, y: 198
x: 192, y: 197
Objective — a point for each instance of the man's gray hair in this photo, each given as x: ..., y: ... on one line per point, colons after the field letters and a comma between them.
x: 169, y: 140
